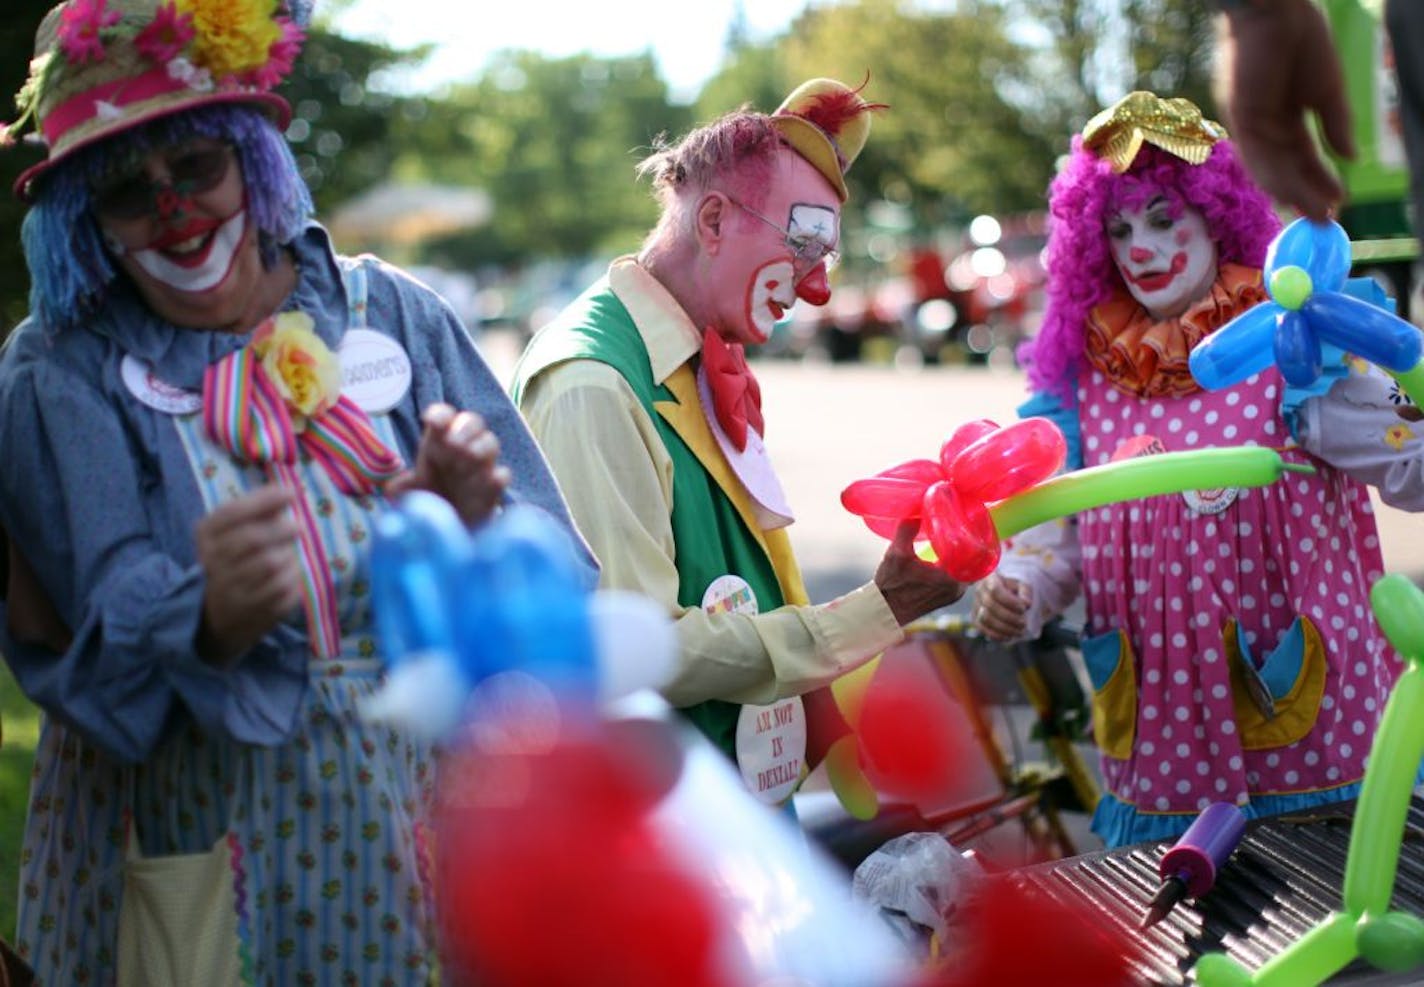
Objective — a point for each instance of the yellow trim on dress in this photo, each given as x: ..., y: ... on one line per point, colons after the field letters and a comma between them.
x: 1296, y: 712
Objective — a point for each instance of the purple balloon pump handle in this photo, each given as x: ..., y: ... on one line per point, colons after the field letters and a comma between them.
x: 1189, y: 868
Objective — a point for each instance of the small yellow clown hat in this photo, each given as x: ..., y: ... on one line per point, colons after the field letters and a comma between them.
x: 1175, y: 125
x: 827, y: 122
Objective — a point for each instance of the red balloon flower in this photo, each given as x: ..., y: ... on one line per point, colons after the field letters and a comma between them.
x: 979, y: 465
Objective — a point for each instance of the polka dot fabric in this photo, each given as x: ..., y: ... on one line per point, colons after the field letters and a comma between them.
x: 1171, y: 577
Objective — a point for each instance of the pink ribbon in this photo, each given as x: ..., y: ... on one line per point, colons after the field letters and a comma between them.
x: 245, y: 414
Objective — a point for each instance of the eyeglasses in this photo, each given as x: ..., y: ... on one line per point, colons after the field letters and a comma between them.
x: 191, y: 171
x: 807, y: 251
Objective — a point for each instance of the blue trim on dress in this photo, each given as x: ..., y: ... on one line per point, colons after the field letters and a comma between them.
x: 1120, y: 823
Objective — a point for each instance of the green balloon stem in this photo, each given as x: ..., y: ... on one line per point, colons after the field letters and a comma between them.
x: 1411, y: 382
x: 1131, y: 479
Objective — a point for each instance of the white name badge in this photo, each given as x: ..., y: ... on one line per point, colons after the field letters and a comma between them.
x: 158, y: 394
x: 771, y: 748
x: 1211, y: 501
x: 375, y: 370
x: 771, y: 740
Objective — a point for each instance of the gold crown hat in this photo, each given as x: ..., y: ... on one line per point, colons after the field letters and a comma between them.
x: 827, y: 122
x: 1175, y: 125
x: 105, y: 66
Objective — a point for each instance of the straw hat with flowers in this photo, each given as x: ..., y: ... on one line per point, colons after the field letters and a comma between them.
x: 104, y: 66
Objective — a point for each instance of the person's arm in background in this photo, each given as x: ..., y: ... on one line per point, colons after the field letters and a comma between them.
x: 1363, y: 426
x: 1039, y: 576
x: 1277, y: 66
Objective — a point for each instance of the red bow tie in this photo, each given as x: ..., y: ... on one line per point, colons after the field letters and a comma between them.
x: 736, y: 398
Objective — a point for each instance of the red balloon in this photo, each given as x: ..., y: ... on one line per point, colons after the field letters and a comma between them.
x: 1009, y: 460
x: 906, y: 744
x: 885, y: 527
x: 884, y: 497
x: 962, y: 438
x: 961, y: 532
x: 979, y: 464
x: 1072, y: 945
x: 549, y: 867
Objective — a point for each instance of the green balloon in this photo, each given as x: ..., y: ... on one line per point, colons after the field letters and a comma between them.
x: 1378, y: 829
x: 1290, y: 287
x: 1399, y: 607
x: 1130, y: 479
x: 1394, y: 941
x: 1220, y: 970
x: 1314, y: 958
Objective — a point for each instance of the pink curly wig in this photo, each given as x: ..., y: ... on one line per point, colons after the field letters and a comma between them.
x: 1081, y: 272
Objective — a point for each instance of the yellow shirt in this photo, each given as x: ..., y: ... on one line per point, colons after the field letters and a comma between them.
x: 617, y: 478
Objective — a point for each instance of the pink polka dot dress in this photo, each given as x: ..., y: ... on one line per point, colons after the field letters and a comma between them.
x: 1229, y: 638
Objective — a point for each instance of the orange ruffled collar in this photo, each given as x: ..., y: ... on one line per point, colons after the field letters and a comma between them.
x: 1149, y: 359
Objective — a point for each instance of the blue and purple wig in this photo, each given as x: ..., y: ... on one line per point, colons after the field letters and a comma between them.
x: 1081, y: 272
x: 71, y: 270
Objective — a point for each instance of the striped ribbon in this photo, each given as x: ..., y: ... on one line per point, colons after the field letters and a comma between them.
x: 244, y: 413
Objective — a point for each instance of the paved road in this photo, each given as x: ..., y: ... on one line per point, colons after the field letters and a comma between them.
x: 830, y: 424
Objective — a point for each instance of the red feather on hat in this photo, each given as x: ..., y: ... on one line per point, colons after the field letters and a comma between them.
x: 830, y: 111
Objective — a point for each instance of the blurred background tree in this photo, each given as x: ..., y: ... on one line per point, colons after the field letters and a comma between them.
x: 17, y: 47
x: 983, y: 96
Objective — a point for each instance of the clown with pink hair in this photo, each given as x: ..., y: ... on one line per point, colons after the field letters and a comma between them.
x: 1227, y: 636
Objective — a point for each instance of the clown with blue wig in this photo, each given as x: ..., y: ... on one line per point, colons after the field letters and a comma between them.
x: 200, y: 419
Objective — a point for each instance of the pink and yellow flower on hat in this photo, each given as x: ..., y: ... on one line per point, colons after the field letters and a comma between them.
x: 232, y: 37
x: 79, y: 29
x: 166, y: 35
x: 103, y: 66
x: 298, y: 362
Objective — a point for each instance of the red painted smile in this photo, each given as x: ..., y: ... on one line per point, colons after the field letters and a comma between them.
x: 1156, y: 281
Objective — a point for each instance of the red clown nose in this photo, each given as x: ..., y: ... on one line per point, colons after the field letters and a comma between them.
x: 814, y: 288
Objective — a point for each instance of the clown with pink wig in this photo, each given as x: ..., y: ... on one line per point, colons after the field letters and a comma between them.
x: 1228, y: 634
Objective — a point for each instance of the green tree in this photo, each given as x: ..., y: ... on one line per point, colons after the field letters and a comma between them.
x: 17, y: 46
x: 554, y: 142
x: 1090, y: 52
x: 952, y: 143
x: 343, y: 130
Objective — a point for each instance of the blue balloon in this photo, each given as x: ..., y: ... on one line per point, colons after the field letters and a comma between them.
x: 1365, y: 330
x: 1237, y: 350
x: 523, y: 606
x: 1297, y: 350
x: 417, y: 553
x: 1322, y: 249
x: 510, y: 596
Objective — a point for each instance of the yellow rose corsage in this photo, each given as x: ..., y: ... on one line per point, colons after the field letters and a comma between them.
x: 300, y: 365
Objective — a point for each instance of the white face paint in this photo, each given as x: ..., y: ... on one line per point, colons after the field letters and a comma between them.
x: 1167, y: 263
x: 772, y: 291
x: 205, y: 268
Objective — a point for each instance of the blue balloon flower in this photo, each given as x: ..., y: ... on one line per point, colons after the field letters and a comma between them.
x: 454, y: 609
x: 1306, y: 266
